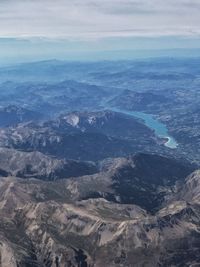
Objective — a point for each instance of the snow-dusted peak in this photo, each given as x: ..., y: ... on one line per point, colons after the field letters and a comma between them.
x: 72, y: 119
x: 91, y: 119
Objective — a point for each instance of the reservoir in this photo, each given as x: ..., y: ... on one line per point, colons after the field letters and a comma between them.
x: 159, y: 128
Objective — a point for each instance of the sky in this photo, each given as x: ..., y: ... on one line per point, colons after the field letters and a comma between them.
x: 75, y: 26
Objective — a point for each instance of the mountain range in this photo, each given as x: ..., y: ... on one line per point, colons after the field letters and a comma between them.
x: 86, y: 183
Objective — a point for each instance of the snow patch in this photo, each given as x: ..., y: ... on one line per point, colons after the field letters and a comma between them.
x: 91, y: 119
x: 72, y: 119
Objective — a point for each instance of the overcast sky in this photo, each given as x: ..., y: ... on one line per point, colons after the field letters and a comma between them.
x: 84, y: 19
x: 96, y: 29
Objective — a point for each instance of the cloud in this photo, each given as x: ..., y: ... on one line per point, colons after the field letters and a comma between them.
x: 99, y: 18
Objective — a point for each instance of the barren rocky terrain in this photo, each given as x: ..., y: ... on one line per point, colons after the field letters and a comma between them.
x: 86, y: 183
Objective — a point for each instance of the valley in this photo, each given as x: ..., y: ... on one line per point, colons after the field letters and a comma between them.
x: 159, y: 128
x: 99, y: 163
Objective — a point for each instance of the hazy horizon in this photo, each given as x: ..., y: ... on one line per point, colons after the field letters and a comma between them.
x: 18, y: 50
x: 97, y: 29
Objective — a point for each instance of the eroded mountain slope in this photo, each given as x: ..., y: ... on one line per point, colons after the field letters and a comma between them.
x: 61, y: 223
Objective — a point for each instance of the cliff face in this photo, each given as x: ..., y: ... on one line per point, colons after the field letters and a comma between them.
x: 91, y: 221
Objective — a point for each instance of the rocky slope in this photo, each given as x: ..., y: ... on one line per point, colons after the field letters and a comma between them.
x: 84, y: 136
x: 73, y: 191
x: 37, y: 165
x: 89, y: 221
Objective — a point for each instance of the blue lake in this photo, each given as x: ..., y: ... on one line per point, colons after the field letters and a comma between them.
x: 159, y: 128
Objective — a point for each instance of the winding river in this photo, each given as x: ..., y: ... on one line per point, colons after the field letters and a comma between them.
x: 159, y: 128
